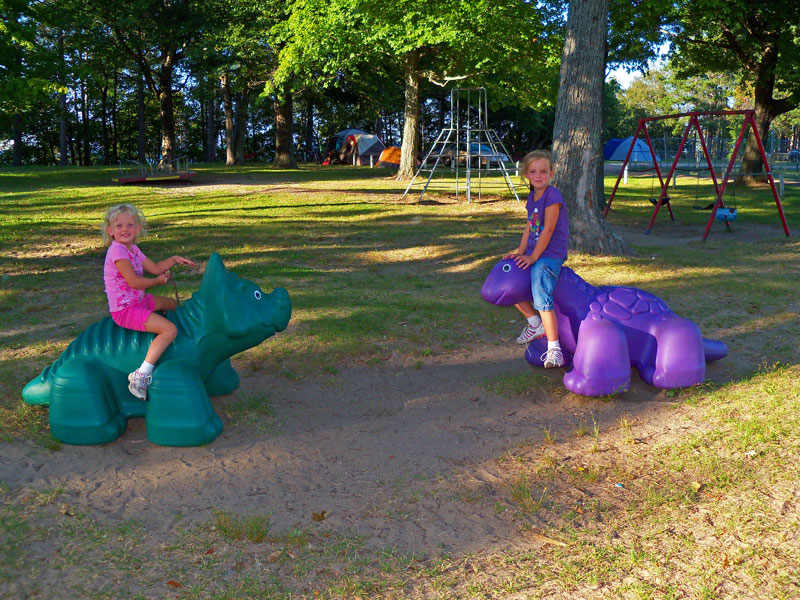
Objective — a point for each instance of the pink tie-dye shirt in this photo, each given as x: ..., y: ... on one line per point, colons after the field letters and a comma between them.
x: 120, y: 294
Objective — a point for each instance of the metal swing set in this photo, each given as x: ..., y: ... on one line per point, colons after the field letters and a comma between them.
x: 718, y: 210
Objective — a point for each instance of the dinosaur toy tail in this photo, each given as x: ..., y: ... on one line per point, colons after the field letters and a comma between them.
x: 38, y: 389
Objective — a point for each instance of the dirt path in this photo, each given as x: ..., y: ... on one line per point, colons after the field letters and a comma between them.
x: 393, y: 453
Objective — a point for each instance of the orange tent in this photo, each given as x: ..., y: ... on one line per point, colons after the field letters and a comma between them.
x: 390, y: 157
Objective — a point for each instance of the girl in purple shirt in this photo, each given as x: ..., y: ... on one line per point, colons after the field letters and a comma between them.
x: 123, y: 274
x: 543, y: 249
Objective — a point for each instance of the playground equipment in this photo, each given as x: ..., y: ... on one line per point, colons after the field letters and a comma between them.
x: 135, y: 172
x: 727, y: 215
x: 606, y: 330
x: 467, y: 147
x: 87, y: 386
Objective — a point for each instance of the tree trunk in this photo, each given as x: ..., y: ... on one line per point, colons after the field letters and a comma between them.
x: 309, y: 144
x: 766, y: 109
x: 114, y: 123
x: 410, y: 146
x: 283, y: 131
x: 62, y: 105
x: 578, y: 127
x: 241, y: 127
x: 104, y: 123
x: 211, y: 131
x: 87, y: 152
x: 17, y: 154
x: 142, y: 149
x: 77, y: 146
x: 166, y: 113
x: 230, y: 133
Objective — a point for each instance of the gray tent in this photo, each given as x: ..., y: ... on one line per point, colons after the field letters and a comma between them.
x: 354, y: 146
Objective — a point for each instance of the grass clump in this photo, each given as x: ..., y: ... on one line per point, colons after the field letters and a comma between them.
x: 234, y: 527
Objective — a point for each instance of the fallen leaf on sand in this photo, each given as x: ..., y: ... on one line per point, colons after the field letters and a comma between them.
x: 540, y: 537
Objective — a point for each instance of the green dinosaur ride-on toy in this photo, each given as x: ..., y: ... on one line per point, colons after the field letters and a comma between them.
x: 87, y: 386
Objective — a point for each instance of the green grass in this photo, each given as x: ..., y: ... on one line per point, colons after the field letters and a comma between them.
x: 707, y: 509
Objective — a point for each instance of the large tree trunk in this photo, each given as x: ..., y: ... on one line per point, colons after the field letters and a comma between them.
x: 230, y: 133
x: 166, y: 113
x: 766, y: 109
x: 16, y: 159
x: 283, y: 131
x: 142, y: 147
x: 578, y: 127
x: 410, y: 145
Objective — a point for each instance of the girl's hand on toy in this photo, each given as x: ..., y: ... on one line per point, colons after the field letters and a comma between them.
x: 180, y: 260
x: 512, y: 254
x: 166, y: 276
x: 523, y: 261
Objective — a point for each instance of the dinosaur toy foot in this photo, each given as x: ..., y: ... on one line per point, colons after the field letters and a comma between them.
x: 179, y: 412
x: 602, y: 364
x: 83, y: 407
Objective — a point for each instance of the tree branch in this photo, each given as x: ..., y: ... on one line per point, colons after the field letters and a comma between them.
x: 431, y: 76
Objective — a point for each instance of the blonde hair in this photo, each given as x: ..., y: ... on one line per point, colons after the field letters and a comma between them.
x: 529, y: 158
x: 115, y: 211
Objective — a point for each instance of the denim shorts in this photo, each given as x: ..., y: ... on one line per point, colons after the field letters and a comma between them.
x: 544, y: 276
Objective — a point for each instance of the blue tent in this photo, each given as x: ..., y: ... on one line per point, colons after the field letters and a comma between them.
x: 641, y: 153
x: 609, y: 147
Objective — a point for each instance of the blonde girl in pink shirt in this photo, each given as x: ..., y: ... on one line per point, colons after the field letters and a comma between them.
x: 123, y: 274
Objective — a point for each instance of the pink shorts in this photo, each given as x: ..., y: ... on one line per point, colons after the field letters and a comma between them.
x: 134, y: 316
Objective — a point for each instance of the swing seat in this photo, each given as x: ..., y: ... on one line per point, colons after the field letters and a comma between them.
x: 726, y: 215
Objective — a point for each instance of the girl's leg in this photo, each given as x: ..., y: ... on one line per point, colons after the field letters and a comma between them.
x: 163, y: 304
x: 550, y: 322
x: 533, y: 329
x: 165, y: 331
x: 526, y: 308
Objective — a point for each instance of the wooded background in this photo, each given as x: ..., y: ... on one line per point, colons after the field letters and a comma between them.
x: 235, y: 80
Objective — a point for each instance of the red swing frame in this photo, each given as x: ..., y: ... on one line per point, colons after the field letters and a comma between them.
x: 694, y: 121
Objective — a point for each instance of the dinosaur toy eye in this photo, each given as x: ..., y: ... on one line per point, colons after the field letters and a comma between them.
x: 506, y: 268
x: 257, y: 295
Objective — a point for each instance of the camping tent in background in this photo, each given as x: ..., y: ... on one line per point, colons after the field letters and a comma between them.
x: 390, y: 158
x: 349, y: 144
x: 641, y: 153
x: 609, y: 147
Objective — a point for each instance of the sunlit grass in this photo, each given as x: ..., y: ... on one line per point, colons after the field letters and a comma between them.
x: 710, y: 513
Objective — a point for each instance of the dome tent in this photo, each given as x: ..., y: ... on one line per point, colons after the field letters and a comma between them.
x: 349, y: 144
x: 641, y: 152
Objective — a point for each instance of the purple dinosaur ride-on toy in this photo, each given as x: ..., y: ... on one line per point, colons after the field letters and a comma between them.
x: 604, y: 330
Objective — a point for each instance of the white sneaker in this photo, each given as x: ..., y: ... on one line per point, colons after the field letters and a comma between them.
x: 552, y: 358
x: 530, y: 333
x: 137, y: 384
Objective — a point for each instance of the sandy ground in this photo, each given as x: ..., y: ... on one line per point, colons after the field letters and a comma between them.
x: 387, y: 452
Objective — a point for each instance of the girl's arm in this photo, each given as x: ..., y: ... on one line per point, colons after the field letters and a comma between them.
x: 523, y: 243
x: 157, y: 268
x: 139, y: 283
x: 550, y: 219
